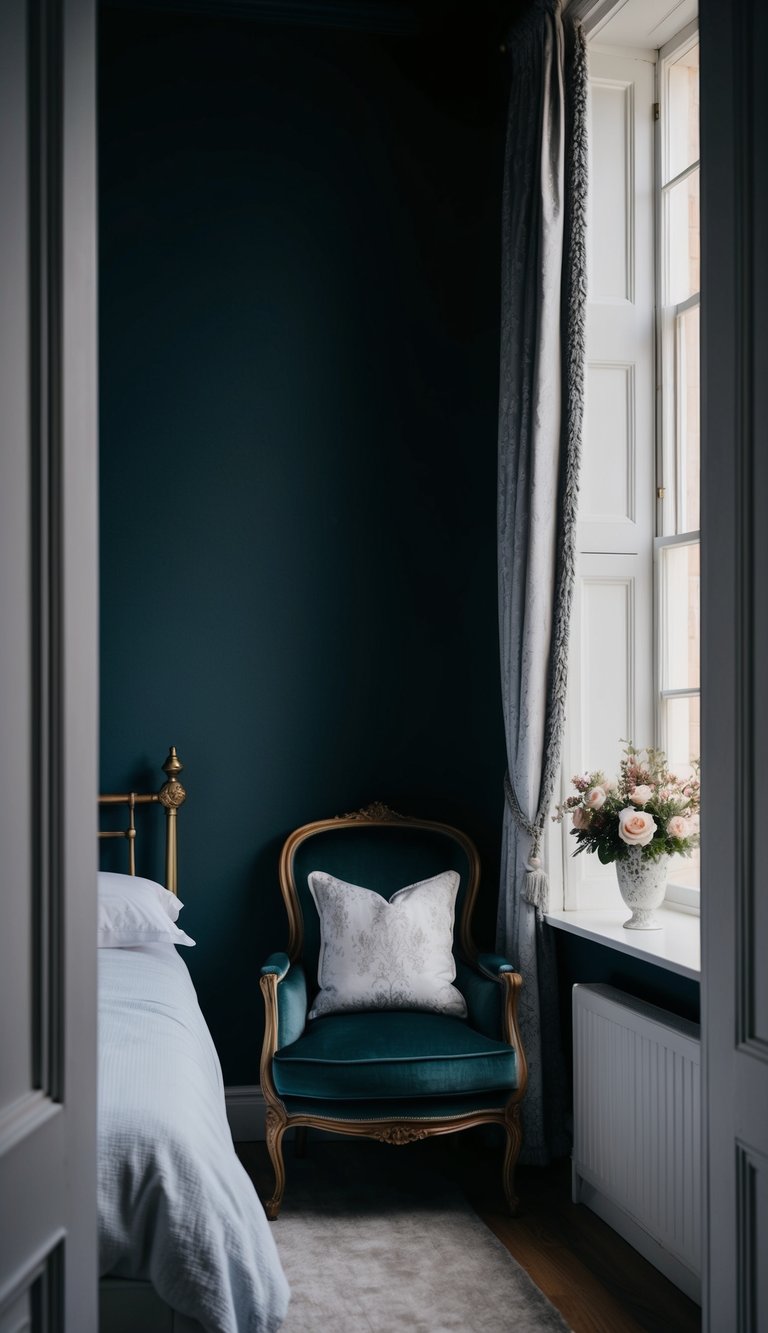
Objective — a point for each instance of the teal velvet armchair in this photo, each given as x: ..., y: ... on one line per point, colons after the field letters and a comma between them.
x: 393, y: 1075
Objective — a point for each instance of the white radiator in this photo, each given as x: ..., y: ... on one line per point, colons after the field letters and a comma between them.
x: 637, y: 1127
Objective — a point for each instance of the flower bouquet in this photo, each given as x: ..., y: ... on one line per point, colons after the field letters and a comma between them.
x: 638, y: 820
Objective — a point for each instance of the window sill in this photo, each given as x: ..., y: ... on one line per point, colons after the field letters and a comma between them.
x: 683, y: 898
x: 675, y: 947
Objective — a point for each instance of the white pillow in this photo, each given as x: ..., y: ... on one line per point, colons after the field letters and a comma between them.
x: 131, y: 886
x: 376, y: 954
x: 134, y: 911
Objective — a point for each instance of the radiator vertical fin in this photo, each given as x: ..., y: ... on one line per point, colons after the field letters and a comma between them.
x: 637, y: 1125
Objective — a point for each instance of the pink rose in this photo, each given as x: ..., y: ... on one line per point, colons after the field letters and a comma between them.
x: 678, y: 827
x: 639, y: 795
x: 594, y: 798
x: 609, y: 784
x: 580, y: 817
x: 636, y: 827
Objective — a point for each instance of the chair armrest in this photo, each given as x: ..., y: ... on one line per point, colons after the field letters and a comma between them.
x: 484, y: 997
x: 284, y: 986
x: 491, y: 988
x: 277, y: 964
x: 492, y: 964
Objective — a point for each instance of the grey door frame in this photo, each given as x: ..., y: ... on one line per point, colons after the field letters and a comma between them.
x: 48, y: 665
x: 734, y: 522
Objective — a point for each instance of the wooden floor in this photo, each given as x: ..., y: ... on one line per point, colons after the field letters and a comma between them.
x: 597, y: 1281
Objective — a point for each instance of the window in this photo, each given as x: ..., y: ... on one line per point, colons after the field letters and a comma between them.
x: 677, y: 546
x: 634, y: 643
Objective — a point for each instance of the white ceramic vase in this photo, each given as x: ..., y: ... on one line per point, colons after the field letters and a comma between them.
x: 642, y: 885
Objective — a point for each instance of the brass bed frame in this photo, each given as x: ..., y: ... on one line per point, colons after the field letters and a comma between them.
x: 171, y: 796
x: 128, y: 1305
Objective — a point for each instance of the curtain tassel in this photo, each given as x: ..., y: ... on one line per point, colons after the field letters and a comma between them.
x: 536, y: 886
x: 536, y: 883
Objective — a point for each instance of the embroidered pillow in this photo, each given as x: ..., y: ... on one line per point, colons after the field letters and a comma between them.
x: 379, y: 954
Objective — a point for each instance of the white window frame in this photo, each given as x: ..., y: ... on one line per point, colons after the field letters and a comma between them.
x: 669, y: 489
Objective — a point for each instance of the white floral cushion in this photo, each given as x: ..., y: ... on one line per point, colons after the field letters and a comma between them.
x: 379, y: 954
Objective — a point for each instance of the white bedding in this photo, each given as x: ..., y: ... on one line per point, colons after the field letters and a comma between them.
x: 175, y: 1204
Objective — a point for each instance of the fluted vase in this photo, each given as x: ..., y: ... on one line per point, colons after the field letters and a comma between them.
x: 642, y: 885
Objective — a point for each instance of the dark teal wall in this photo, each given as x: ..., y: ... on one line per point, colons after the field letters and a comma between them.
x: 299, y: 351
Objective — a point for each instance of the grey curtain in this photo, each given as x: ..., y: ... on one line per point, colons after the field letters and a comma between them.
x: 540, y: 411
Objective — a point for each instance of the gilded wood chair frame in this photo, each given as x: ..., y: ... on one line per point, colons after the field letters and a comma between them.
x: 397, y: 1130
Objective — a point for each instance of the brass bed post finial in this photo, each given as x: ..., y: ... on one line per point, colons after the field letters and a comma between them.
x: 171, y: 796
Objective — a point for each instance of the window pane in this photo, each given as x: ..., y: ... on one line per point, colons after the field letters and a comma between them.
x: 678, y: 612
x: 682, y: 741
x: 682, y: 112
x: 686, y: 870
x: 687, y: 396
x: 682, y: 745
x: 681, y: 204
x: 680, y: 623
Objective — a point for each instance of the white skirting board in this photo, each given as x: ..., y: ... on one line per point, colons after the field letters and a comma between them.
x: 247, y: 1113
x: 637, y: 1127
x: 247, y: 1116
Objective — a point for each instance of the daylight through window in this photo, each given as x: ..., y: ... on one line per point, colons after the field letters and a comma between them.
x: 679, y: 298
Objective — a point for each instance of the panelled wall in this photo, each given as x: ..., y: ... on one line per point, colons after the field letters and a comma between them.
x: 611, y: 670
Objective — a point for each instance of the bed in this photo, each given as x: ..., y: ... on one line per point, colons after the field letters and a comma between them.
x: 184, y: 1244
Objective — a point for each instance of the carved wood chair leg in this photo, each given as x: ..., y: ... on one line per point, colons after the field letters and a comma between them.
x: 300, y: 1144
x: 511, y: 1154
x: 276, y: 1127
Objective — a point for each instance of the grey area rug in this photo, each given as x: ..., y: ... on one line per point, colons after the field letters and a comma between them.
x: 374, y: 1243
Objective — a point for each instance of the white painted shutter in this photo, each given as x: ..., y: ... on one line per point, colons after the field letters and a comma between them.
x: 610, y: 693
